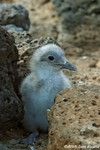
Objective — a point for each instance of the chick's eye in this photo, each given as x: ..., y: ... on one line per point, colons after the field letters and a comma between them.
x: 51, y: 58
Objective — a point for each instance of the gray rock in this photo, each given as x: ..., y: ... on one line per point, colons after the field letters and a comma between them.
x: 3, y: 147
x: 12, y: 28
x: 10, y: 104
x: 75, y: 13
x: 14, y: 14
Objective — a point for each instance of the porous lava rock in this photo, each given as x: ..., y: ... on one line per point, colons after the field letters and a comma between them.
x: 75, y: 119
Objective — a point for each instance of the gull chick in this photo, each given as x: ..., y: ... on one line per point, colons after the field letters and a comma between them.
x: 40, y: 87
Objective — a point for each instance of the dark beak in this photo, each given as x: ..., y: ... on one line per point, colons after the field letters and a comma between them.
x: 68, y: 66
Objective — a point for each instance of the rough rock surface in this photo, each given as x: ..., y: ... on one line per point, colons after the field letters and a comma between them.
x: 76, y: 13
x: 80, y: 25
x: 2, y: 147
x: 83, y: 42
x: 75, y: 119
x: 25, y: 44
x: 10, y: 104
x: 14, y: 14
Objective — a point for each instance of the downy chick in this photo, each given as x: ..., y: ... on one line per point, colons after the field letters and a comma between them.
x: 40, y: 87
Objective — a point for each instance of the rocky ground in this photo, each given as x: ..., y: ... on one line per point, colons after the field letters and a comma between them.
x: 82, y: 48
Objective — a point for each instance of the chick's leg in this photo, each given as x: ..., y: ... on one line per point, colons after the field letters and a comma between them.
x: 30, y: 139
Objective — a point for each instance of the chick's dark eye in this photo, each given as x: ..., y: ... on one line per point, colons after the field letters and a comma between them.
x: 51, y: 58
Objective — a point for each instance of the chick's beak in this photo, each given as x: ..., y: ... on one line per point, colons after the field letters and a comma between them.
x: 69, y: 66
